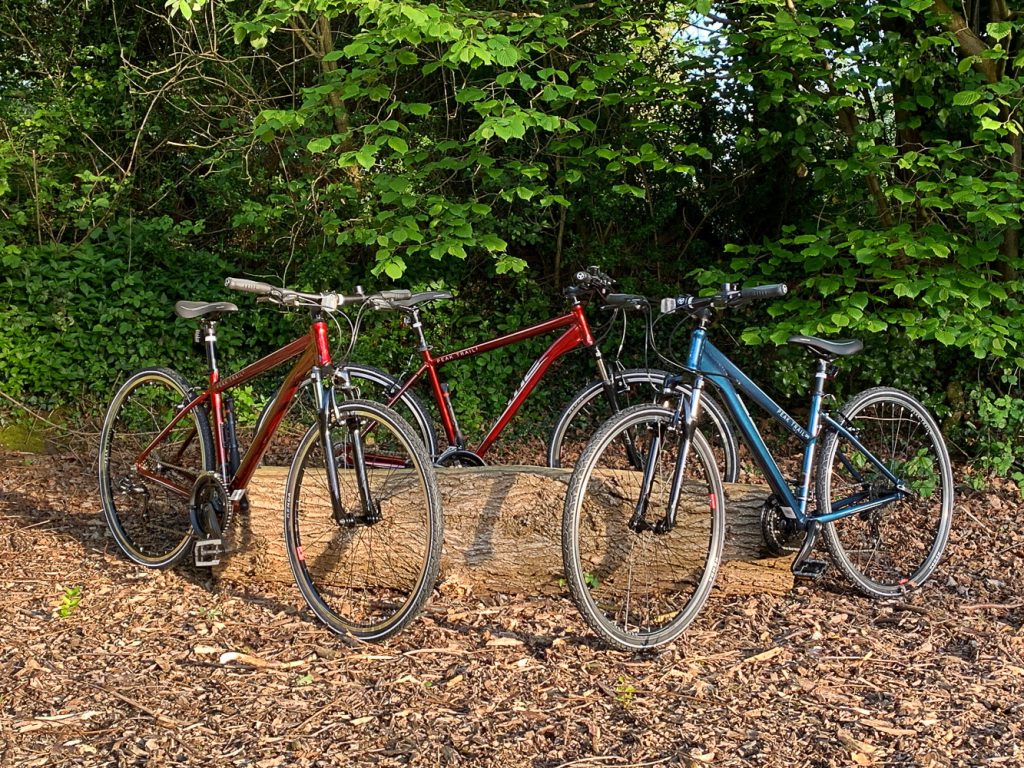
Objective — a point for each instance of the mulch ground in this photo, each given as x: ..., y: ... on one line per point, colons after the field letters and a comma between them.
x: 168, y: 668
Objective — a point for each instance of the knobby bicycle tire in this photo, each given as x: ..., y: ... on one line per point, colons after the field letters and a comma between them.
x: 893, y: 549
x: 148, y: 520
x: 364, y: 578
x: 639, y: 590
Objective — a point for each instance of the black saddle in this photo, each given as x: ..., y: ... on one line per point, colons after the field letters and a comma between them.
x: 192, y: 309
x: 827, y: 349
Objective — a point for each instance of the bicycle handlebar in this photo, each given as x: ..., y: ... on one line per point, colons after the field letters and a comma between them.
x: 248, y: 286
x: 759, y: 292
x: 728, y: 296
x: 327, y: 301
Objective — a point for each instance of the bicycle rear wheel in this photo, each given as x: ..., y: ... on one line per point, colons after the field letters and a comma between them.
x: 146, y: 506
x: 368, y: 573
x: 589, y: 409
x: 892, y: 549
x: 640, y: 589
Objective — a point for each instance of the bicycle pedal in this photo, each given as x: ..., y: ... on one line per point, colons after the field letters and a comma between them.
x: 208, y: 552
x: 810, y: 569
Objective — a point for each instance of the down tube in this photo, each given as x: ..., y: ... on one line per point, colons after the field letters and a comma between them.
x: 723, y: 374
x: 567, y: 342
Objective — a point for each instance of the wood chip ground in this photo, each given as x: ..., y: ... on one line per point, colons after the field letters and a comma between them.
x: 165, y: 668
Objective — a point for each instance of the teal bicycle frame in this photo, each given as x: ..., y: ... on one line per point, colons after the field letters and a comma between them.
x: 706, y: 363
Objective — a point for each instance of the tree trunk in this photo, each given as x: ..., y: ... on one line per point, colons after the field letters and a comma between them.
x: 503, y: 533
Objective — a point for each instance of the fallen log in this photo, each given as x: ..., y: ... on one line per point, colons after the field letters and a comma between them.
x: 502, y: 534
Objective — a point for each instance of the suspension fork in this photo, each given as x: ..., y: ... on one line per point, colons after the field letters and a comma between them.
x: 684, y: 419
x: 610, y: 394
x: 692, y: 406
x: 327, y: 410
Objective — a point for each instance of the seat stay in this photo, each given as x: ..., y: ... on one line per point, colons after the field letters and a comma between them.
x: 140, y: 460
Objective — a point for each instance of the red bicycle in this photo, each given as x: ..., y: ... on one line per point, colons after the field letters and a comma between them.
x: 360, y: 487
x: 615, y: 388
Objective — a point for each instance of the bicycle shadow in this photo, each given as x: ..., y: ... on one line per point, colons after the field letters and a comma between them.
x: 58, y: 494
x: 502, y: 525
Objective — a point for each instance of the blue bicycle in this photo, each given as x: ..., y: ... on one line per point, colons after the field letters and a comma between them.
x: 644, y: 521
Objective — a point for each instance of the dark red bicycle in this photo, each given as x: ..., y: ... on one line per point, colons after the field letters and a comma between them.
x: 614, y: 389
x: 361, y: 485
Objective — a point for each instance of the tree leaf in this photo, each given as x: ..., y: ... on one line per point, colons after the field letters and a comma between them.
x: 321, y: 144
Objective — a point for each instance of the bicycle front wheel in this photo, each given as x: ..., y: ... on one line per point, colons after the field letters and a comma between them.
x: 636, y: 587
x: 888, y: 550
x: 589, y: 409
x: 146, y: 503
x: 367, y: 568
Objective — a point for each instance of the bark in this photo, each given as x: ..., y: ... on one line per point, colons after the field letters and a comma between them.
x: 502, y: 534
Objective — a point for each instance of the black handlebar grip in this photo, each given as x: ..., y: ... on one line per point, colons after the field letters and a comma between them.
x: 398, y: 294
x: 764, y: 292
x: 629, y: 300
x: 248, y: 286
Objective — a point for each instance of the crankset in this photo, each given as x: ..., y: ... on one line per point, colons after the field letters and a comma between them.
x: 210, y: 511
x: 782, y: 535
x: 459, y: 457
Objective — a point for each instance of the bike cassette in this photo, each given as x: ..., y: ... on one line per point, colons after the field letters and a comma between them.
x: 210, y: 509
x: 782, y: 535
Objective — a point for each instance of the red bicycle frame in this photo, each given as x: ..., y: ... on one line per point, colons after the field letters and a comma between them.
x: 312, y: 350
x: 577, y: 335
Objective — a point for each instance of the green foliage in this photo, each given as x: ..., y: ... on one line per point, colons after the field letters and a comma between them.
x: 113, y: 297
x: 866, y: 154
x: 996, y: 429
x: 625, y: 691
x: 431, y: 126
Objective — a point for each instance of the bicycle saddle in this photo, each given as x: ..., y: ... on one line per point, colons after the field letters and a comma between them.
x: 422, y: 298
x: 827, y: 349
x: 190, y: 309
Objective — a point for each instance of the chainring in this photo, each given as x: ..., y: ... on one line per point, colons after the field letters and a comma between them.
x: 210, y: 507
x: 782, y: 536
x: 459, y: 457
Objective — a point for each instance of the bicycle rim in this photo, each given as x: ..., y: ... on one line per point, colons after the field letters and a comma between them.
x: 891, y: 549
x: 147, y: 507
x: 641, y: 589
x: 368, y: 574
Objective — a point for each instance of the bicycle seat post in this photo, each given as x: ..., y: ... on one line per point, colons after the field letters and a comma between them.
x: 412, y: 319
x: 207, y: 336
x: 208, y: 331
